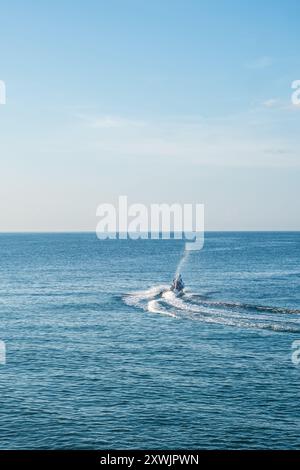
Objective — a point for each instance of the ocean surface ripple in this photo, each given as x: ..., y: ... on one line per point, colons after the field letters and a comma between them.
x: 101, y: 355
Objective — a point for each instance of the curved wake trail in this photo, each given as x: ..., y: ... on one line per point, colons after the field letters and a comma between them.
x: 161, y: 300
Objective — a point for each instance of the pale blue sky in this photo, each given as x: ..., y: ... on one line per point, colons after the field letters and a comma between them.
x: 164, y: 101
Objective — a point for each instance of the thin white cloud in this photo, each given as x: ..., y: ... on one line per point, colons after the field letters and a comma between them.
x: 230, y: 141
x: 259, y: 63
x: 278, y: 104
x: 272, y: 103
x: 110, y: 122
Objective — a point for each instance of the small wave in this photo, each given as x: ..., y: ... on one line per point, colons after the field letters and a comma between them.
x: 154, y: 307
x: 136, y: 298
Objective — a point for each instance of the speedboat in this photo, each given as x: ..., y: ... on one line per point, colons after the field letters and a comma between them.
x: 177, y: 292
x: 177, y: 285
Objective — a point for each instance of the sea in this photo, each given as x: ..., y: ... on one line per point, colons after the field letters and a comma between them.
x: 100, y: 354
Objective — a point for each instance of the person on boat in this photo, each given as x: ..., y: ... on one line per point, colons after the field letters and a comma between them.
x: 178, y: 283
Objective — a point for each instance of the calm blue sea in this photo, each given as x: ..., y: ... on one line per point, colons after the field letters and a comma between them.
x: 101, y: 355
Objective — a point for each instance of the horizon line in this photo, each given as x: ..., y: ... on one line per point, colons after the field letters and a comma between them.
x: 15, y: 232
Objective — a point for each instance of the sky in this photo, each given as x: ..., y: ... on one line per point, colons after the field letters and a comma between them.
x: 163, y: 101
